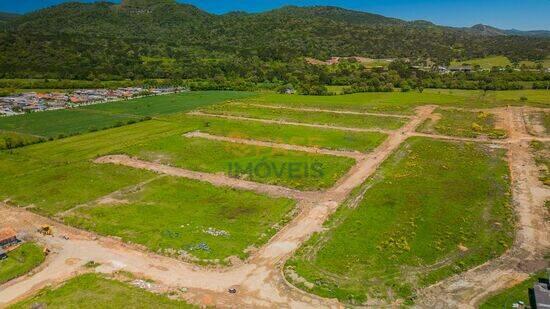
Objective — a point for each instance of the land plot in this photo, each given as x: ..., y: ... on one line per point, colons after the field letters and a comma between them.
x: 462, y: 123
x: 65, y: 122
x: 20, y: 261
x: 58, y: 187
x: 93, y: 291
x: 298, y: 170
x: 406, y: 102
x: 168, y: 104
x: 324, y: 118
x: 293, y: 135
x: 541, y: 153
x: 188, y: 218
x: 433, y: 209
x: 538, y: 123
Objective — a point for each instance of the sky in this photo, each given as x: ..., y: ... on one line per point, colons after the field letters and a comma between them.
x: 505, y: 14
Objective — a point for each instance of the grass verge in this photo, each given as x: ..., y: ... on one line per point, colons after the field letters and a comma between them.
x: 20, y: 261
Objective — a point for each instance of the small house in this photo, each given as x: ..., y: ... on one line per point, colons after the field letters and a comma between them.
x: 8, y: 237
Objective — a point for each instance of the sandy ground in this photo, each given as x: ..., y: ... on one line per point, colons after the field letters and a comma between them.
x: 338, y: 153
x: 259, y: 280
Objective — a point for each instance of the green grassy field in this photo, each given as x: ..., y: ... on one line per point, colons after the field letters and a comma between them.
x: 9, y: 140
x: 541, y: 152
x: 63, y: 122
x: 20, y: 261
x: 342, y: 120
x: 485, y: 63
x: 294, y: 135
x: 462, y: 123
x: 60, y: 123
x: 433, y: 209
x: 405, y: 102
x: 299, y: 170
x: 520, y: 292
x: 95, y: 291
x: 168, y: 104
x: 171, y: 214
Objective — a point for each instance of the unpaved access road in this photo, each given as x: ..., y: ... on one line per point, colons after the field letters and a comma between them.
x: 259, y: 280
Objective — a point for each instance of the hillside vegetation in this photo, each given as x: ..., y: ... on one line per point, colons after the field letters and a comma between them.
x: 101, y: 40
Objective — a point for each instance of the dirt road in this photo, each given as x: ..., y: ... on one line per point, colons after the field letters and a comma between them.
x: 259, y: 280
x: 532, y: 242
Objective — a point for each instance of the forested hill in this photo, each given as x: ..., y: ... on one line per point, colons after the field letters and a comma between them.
x: 161, y: 38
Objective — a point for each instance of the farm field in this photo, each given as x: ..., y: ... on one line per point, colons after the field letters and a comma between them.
x: 261, y: 164
x: 66, y: 122
x: 294, y: 135
x: 433, y: 209
x: 485, y: 63
x: 324, y: 118
x: 9, y: 140
x: 168, y: 104
x: 20, y: 261
x: 213, y: 223
x: 462, y: 123
x: 517, y: 293
x: 405, y: 102
x: 95, y: 291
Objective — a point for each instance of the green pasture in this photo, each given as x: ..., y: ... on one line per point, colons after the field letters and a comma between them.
x: 432, y: 210
x: 294, y: 135
x: 462, y: 123
x: 485, y: 63
x: 174, y: 214
x: 324, y: 118
x: 299, y: 170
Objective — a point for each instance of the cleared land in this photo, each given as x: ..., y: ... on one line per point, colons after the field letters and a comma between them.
x: 520, y: 292
x: 462, y: 123
x: 432, y: 210
x: 187, y: 218
x: 94, y: 291
x: 298, y: 170
x: 485, y: 63
x: 20, y: 261
x: 293, y: 135
x: 324, y: 118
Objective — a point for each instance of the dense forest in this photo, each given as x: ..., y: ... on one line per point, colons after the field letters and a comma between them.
x: 162, y: 39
